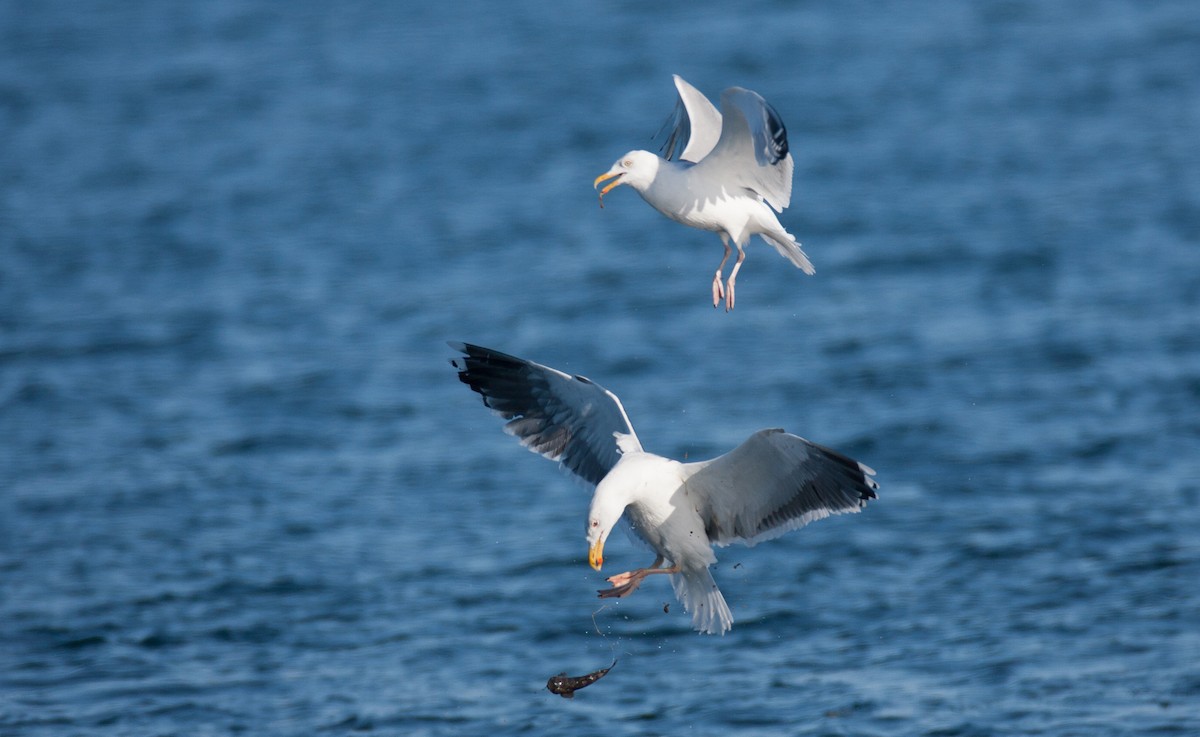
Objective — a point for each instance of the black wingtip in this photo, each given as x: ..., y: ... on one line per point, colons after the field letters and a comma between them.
x: 478, y: 352
x: 459, y: 362
x: 778, y: 132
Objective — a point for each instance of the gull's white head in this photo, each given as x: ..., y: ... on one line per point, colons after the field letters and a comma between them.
x: 636, y: 168
x: 608, y: 504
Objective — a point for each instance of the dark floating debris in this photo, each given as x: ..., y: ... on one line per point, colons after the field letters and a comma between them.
x: 566, y: 686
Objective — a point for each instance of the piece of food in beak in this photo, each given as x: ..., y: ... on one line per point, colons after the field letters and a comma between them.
x: 609, y: 187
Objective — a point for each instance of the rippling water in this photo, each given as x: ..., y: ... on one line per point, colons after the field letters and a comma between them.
x: 241, y: 490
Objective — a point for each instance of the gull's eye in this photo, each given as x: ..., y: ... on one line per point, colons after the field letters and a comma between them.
x: 627, y: 163
x: 595, y: 523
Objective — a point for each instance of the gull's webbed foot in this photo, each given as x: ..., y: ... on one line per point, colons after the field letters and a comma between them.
x: 618, y: 592
x: 718, y: 291
x: 623, y: 578
x: 624, y: 584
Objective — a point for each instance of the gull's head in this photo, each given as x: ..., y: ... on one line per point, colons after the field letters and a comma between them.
x: 607, y: 508
x: 636, y: 168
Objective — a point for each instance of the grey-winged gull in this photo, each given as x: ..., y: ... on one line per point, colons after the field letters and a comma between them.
x: 721, y: 171
x: 772, y: 483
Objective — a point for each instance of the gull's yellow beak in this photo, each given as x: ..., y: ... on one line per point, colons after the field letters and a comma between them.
x: 604, y: 176
x: 596, y: 555
x: 609, y: 187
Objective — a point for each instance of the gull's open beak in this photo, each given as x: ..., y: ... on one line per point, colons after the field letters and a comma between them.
x: 596, y: 555
x: 615, y: 183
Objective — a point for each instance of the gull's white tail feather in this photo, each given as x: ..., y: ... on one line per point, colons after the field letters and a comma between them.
x: 700, y: 596
x: 787, y: 246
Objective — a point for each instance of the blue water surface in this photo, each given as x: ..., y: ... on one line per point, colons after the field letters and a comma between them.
x: 242, y: 492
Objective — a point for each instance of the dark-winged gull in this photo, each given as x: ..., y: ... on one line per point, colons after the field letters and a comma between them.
x: 772, y: 483
x: 721, y: 171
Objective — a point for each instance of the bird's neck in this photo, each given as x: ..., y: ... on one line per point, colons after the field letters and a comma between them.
x: 668, y: 186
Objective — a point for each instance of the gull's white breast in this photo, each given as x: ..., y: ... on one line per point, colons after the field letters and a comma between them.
x: 703, y: 204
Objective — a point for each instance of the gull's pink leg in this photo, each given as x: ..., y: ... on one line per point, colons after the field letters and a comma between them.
x: 626, y: 583
x: 623, y: 578
x: 718, y: 291
x: 732, y: 278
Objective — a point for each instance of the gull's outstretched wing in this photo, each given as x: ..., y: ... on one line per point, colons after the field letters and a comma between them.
x: 772, y: 483
x: 752, y: 151
x: 565, y: 418
x: 695, y: 125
